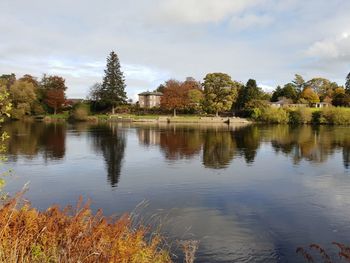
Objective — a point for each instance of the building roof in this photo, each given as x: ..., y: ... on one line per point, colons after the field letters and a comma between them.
x: 149, y: 93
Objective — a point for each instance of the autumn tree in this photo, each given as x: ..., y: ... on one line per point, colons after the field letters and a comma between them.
x: 341, y: 98
x: 220, y: 92
x: 53, y: 91
x: 323, y: 87
x: 23, y: 96
x: 195, y: 93
x: 112, y: 91
x: 30, y: 79
x: 310, y: 96
x: 7, y: 79
x: 55, y: 98
x: 175, y: 96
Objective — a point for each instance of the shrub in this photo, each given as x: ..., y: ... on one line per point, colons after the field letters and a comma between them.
x: 80, y: 112
x: 274, y: 115
x: 300, y: 116
x: 335, y: 115
x: 17, y: 113
x: 73, y: 235
x: 38, y: 109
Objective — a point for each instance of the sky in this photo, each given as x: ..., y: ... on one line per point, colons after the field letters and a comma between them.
x: 268, y: 40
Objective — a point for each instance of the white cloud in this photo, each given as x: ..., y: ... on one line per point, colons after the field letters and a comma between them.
x: 333, y: 48
x: 202, y: 11
x: 159, y: 39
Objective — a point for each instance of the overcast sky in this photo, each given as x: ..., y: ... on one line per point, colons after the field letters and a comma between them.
x: 268, y: 40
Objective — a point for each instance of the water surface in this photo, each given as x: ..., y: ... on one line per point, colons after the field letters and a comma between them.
x: 249, y: 193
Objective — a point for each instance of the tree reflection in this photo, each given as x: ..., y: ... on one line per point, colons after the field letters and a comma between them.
x: 313, y: 144
x: 52, y: 140
x: 248, y: 141
x: 30, y: 139
x: 178, y: 143
x: 111, y: 142
x: 219, y: 149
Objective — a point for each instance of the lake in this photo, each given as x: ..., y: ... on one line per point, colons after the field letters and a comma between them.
x: 247, y: 193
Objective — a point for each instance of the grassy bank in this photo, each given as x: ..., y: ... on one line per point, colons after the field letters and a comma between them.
x: 73, y: 235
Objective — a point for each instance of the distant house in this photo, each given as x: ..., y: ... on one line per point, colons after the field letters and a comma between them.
x: 149, y: 99
x: 283, y: 103
x: 321, y: 105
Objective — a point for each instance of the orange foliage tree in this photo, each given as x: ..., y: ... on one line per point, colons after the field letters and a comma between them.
x: 55, y: 98
x: 175, y: 96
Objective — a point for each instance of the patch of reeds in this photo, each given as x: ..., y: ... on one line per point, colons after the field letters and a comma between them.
x: 73, y: 234
x: 313, y: 250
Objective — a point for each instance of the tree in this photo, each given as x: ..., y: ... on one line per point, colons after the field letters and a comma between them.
x: 7, y: 79
x: 323, y: 87
x: 249, y: 92
x: 277, y: 93
x: 113, y: 86
x: 347, y: 84
x: 52, y: 91
x: 54, y: 98
x: 175, y: 96
x: 298, y: 82
x: 23, y: 96
x: 94, y: 93
x: 341, y: 99
x: 220, y: 92
x: 160, y: 88
x: 52, y: 82
x: 289, y: 91
x: 30, y: 79
x: 310, y: 96
x: 195, y: 97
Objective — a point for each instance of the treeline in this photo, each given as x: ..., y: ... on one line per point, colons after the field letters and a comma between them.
x: 218, y: 93
x: 32, y: 96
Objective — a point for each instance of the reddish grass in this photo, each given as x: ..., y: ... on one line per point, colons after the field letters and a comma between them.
x: 73, y: 235
x: 344, y: 253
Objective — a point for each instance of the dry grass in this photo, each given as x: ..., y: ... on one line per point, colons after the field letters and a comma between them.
x: 344, y: 253
x: 190, y: 247
x: 73, y: 234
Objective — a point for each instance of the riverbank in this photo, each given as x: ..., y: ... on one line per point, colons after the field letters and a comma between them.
x: 148, y: 118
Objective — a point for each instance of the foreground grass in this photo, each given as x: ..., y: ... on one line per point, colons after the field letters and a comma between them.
x: 73, y: 235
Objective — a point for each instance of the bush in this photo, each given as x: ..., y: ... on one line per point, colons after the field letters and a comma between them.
x: 73, y: 235
x: 80, y: 112
x: 17, y: 113
x: 38, y: 109
x: 274, y: 115
x: 335, y: 115
x: 300, y: 116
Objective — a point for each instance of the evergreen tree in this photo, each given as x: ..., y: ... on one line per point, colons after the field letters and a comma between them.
x: 249, y: 92
x: 113, y: 87
x: 347, y: 84
x: 278, y: 92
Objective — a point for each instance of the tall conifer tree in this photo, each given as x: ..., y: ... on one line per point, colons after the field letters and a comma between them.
x: 113, y: 86
x: 347, y: 84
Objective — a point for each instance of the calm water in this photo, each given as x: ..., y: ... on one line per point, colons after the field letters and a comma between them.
x: 249, y: 194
